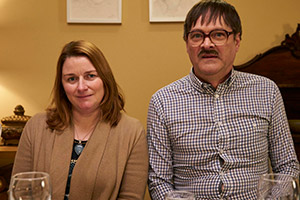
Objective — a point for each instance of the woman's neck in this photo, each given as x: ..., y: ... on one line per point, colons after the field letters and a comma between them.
x: 84, y: 124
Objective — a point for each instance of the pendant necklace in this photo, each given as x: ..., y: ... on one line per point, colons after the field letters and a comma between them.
x: 78, y: 148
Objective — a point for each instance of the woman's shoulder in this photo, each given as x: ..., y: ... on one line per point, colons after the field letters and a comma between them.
x: 37, y: 120
x: 37, y: 127
x: 129, y: 130
x: 128, y: 122
x: 127, y: 119
x: 38, y: 117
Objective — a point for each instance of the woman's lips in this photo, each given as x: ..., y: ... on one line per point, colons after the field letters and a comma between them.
x: 83, y: 96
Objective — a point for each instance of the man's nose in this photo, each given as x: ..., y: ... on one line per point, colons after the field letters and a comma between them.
x: 207, y: 43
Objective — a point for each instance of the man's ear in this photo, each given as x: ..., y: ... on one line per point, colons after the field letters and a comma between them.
x: 237, y: 41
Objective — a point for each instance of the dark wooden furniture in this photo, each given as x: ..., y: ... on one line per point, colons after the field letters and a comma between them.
x: 282, y: 65
x: 7, y: 154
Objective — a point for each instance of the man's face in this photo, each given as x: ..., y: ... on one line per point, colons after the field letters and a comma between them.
x: 213, y: 63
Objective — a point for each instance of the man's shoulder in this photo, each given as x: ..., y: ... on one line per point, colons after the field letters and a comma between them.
x: 254, y: 79
x: 180, y: 84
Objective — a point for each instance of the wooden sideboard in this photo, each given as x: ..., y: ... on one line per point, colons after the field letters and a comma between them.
x: 7, y: 155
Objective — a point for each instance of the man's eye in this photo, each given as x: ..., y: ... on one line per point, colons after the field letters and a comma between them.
x: 219, y: 35
x: 197, y: 36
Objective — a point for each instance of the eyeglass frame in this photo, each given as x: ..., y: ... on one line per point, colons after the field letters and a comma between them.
x: 228, y: 33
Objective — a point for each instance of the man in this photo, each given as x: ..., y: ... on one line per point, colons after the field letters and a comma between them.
x: 214, y: 131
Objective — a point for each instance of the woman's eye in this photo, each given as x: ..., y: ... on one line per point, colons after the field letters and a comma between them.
x: 71, y: 79
x: 91, y: 76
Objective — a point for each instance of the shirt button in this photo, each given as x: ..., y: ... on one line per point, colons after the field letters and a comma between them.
x: 221, y: 151
x: 217, y: 96
x: 221, y: 174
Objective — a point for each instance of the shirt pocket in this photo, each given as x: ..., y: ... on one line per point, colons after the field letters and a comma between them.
x: 248, y: 138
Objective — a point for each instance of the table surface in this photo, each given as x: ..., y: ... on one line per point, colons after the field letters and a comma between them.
x: 8, y: 148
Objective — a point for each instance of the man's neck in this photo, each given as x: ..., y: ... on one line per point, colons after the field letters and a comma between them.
x: 215, y: 81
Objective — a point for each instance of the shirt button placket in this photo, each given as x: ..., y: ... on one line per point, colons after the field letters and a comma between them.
x: 221, y: 174
x: 221, y: 151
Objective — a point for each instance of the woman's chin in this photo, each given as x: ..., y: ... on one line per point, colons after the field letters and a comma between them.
x: 85, y: 109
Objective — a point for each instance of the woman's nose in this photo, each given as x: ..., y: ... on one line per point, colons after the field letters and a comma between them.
x: 82, y: 84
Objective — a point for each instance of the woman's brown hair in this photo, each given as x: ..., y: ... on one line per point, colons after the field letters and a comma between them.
x: 59, y: 112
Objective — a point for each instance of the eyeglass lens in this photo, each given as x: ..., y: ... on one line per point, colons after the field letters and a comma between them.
x: 218, y: 37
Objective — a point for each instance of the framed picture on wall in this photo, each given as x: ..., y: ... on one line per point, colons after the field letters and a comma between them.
x: 94, y: 11
x: 169, y: 10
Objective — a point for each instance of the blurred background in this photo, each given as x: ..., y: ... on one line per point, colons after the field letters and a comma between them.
x: 144, y: 56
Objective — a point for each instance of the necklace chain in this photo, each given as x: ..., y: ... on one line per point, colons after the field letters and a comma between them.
x: 86, y: 135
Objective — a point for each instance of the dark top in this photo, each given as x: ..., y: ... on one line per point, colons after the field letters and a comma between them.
x: 75, y: 155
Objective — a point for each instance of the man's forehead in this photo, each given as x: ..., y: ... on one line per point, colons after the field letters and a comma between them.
x: 210, y: 20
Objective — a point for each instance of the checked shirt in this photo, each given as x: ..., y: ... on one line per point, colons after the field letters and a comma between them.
x: 216, y: 142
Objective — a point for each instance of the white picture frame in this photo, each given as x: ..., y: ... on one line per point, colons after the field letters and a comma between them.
x: 169, y: 10
x: 94, y: 11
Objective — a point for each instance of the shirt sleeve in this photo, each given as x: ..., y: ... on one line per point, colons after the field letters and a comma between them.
x: 281, y: 147
x: 160, y: 154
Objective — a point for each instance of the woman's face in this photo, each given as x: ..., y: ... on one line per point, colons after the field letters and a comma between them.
x: 82, y: 85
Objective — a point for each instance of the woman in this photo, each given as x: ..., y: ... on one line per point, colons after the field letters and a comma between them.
x: 88, y: 146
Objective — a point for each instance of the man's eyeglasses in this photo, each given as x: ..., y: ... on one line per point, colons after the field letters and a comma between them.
x: 218, y: 37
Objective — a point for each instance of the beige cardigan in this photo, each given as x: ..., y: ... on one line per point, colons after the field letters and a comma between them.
x: 113, y: 164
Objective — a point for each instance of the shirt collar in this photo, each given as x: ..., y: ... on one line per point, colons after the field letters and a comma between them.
x: 201, y: 86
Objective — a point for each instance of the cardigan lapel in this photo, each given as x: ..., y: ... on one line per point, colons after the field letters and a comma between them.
x: 60, y: 162
x: 86, y: 168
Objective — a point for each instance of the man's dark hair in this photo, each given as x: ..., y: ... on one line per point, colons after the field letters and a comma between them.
x: 210, y: 11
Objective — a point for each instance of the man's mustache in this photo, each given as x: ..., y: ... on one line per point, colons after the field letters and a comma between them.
x: 213, y: 52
